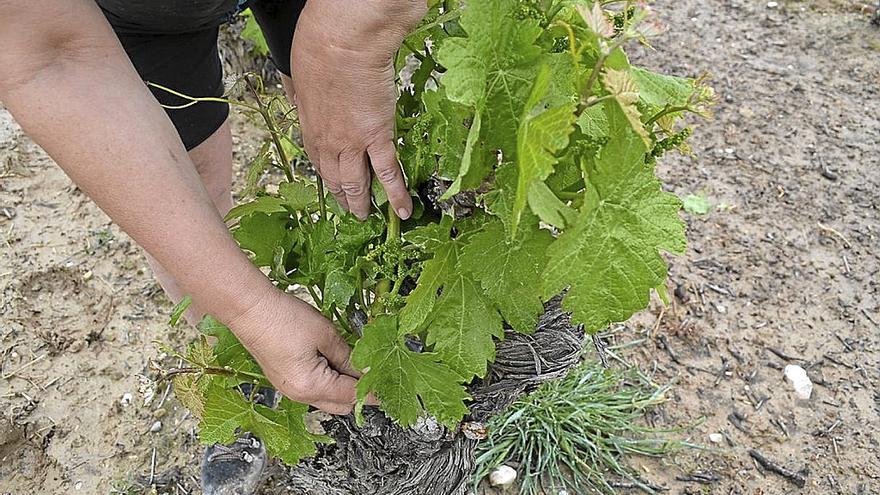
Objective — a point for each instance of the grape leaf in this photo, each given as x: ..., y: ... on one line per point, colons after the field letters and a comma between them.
x: 302, y: 443
x: 262, y: 204
x: 542, y: 133
x: 420, y: 301
x: 339, y: 288
x: 469, y: 174
x: 228, y: 351
x: 462, y: 326
x: 254, y: 34
x: 610, y: 259
x: 227, y: 414
x: 660, y: 90
x: 448, y: 132
x: 190, y: 390
x: 623, y: 88
x: 549, y: 208
x: 434, y: 238
x: 403, y: 380
x: 491, y: 68
x: 260, y: 234
x: 509, y: 272
x: 298, y: 195
x: 593, y: 122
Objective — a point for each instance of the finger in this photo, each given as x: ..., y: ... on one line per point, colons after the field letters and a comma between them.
x: 355, y: 179
x: 383, y: 157
x: 328, y: 385
x: 330, y: 172
x: 338, y: 353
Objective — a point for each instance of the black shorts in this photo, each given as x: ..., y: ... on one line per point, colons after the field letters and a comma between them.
x: 185, y: 57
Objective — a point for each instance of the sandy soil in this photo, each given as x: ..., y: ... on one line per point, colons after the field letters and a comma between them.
x: 783, y: 271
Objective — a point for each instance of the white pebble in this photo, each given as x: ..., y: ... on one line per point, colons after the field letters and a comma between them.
x: 503, y: 475
x: 798, y: 378
x: 772, y: 5
x: 716, y: 437
x: 156, y: 427
x: 126, y: 399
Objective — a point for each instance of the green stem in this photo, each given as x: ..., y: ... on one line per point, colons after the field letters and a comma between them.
x: 321, y: 195
x: 273, y: 131
x: 665, y: 111
x: 314, y: 295
x: 193, y: 100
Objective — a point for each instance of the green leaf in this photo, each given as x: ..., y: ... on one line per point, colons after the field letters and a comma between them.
x: 403, y: 380
x: 178, y: 310
x: 339, y: 287
x: 449, y: 131
x: 462, y: 327
x: 261, y: 234
x: 660, y: 90
x: 542, y: 133
x: 299, y: 195
x: 227, y: 414
x: 610, y: 259
x: 509, y: 271
x: 301, y: 443
x: 467, y: 177
x: 190, y: 390
x: 255, y: 170
x: 549, y: 208
x: 228, y: 351
x: 593, y: 122
x: 254, y: 34
x: 262, y: 204
x: 696, y: 205
x: 352, y: 234
x: 623, y: 88
x: 491, y: 71
x: 420, y: 301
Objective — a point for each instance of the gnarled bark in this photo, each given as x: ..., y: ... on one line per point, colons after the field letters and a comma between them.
x: 381, y: 458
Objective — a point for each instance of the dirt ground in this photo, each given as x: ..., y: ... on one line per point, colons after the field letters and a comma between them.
x: 784, y: 270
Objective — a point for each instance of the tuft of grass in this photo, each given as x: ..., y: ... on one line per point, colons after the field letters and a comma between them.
x: 574, y: 432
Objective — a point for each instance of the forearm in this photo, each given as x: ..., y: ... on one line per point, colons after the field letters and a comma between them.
x: 90, y: 111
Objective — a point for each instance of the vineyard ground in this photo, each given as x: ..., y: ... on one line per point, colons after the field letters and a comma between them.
x: 784, y: 270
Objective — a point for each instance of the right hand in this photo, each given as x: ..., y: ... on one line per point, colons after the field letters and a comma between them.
x: 299, y: 351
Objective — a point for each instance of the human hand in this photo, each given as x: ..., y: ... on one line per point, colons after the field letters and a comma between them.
x: 299, y: 352
x: 343, y: 76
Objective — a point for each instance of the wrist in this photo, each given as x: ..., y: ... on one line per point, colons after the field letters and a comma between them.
x: 235, y: 292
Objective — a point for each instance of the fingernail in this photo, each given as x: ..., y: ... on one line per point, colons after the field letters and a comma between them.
x: 403, y: 213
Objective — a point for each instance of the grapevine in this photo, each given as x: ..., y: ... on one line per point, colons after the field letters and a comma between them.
x: 533, y: 109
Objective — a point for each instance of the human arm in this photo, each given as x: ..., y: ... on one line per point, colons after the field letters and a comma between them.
x: 69, y: 84
x: 343, y: 73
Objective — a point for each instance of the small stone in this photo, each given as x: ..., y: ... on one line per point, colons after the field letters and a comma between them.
x: 503, y: 475
x: 156, y: 427
x: 772, y: 5
x: 87, y: 276
x: 78, y: 485
x: 798, y: 378
x: 716, y: 437
x: 160, y: 413
x: 126, y: 399
x: 721, y: 309
x: 829, y: 174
